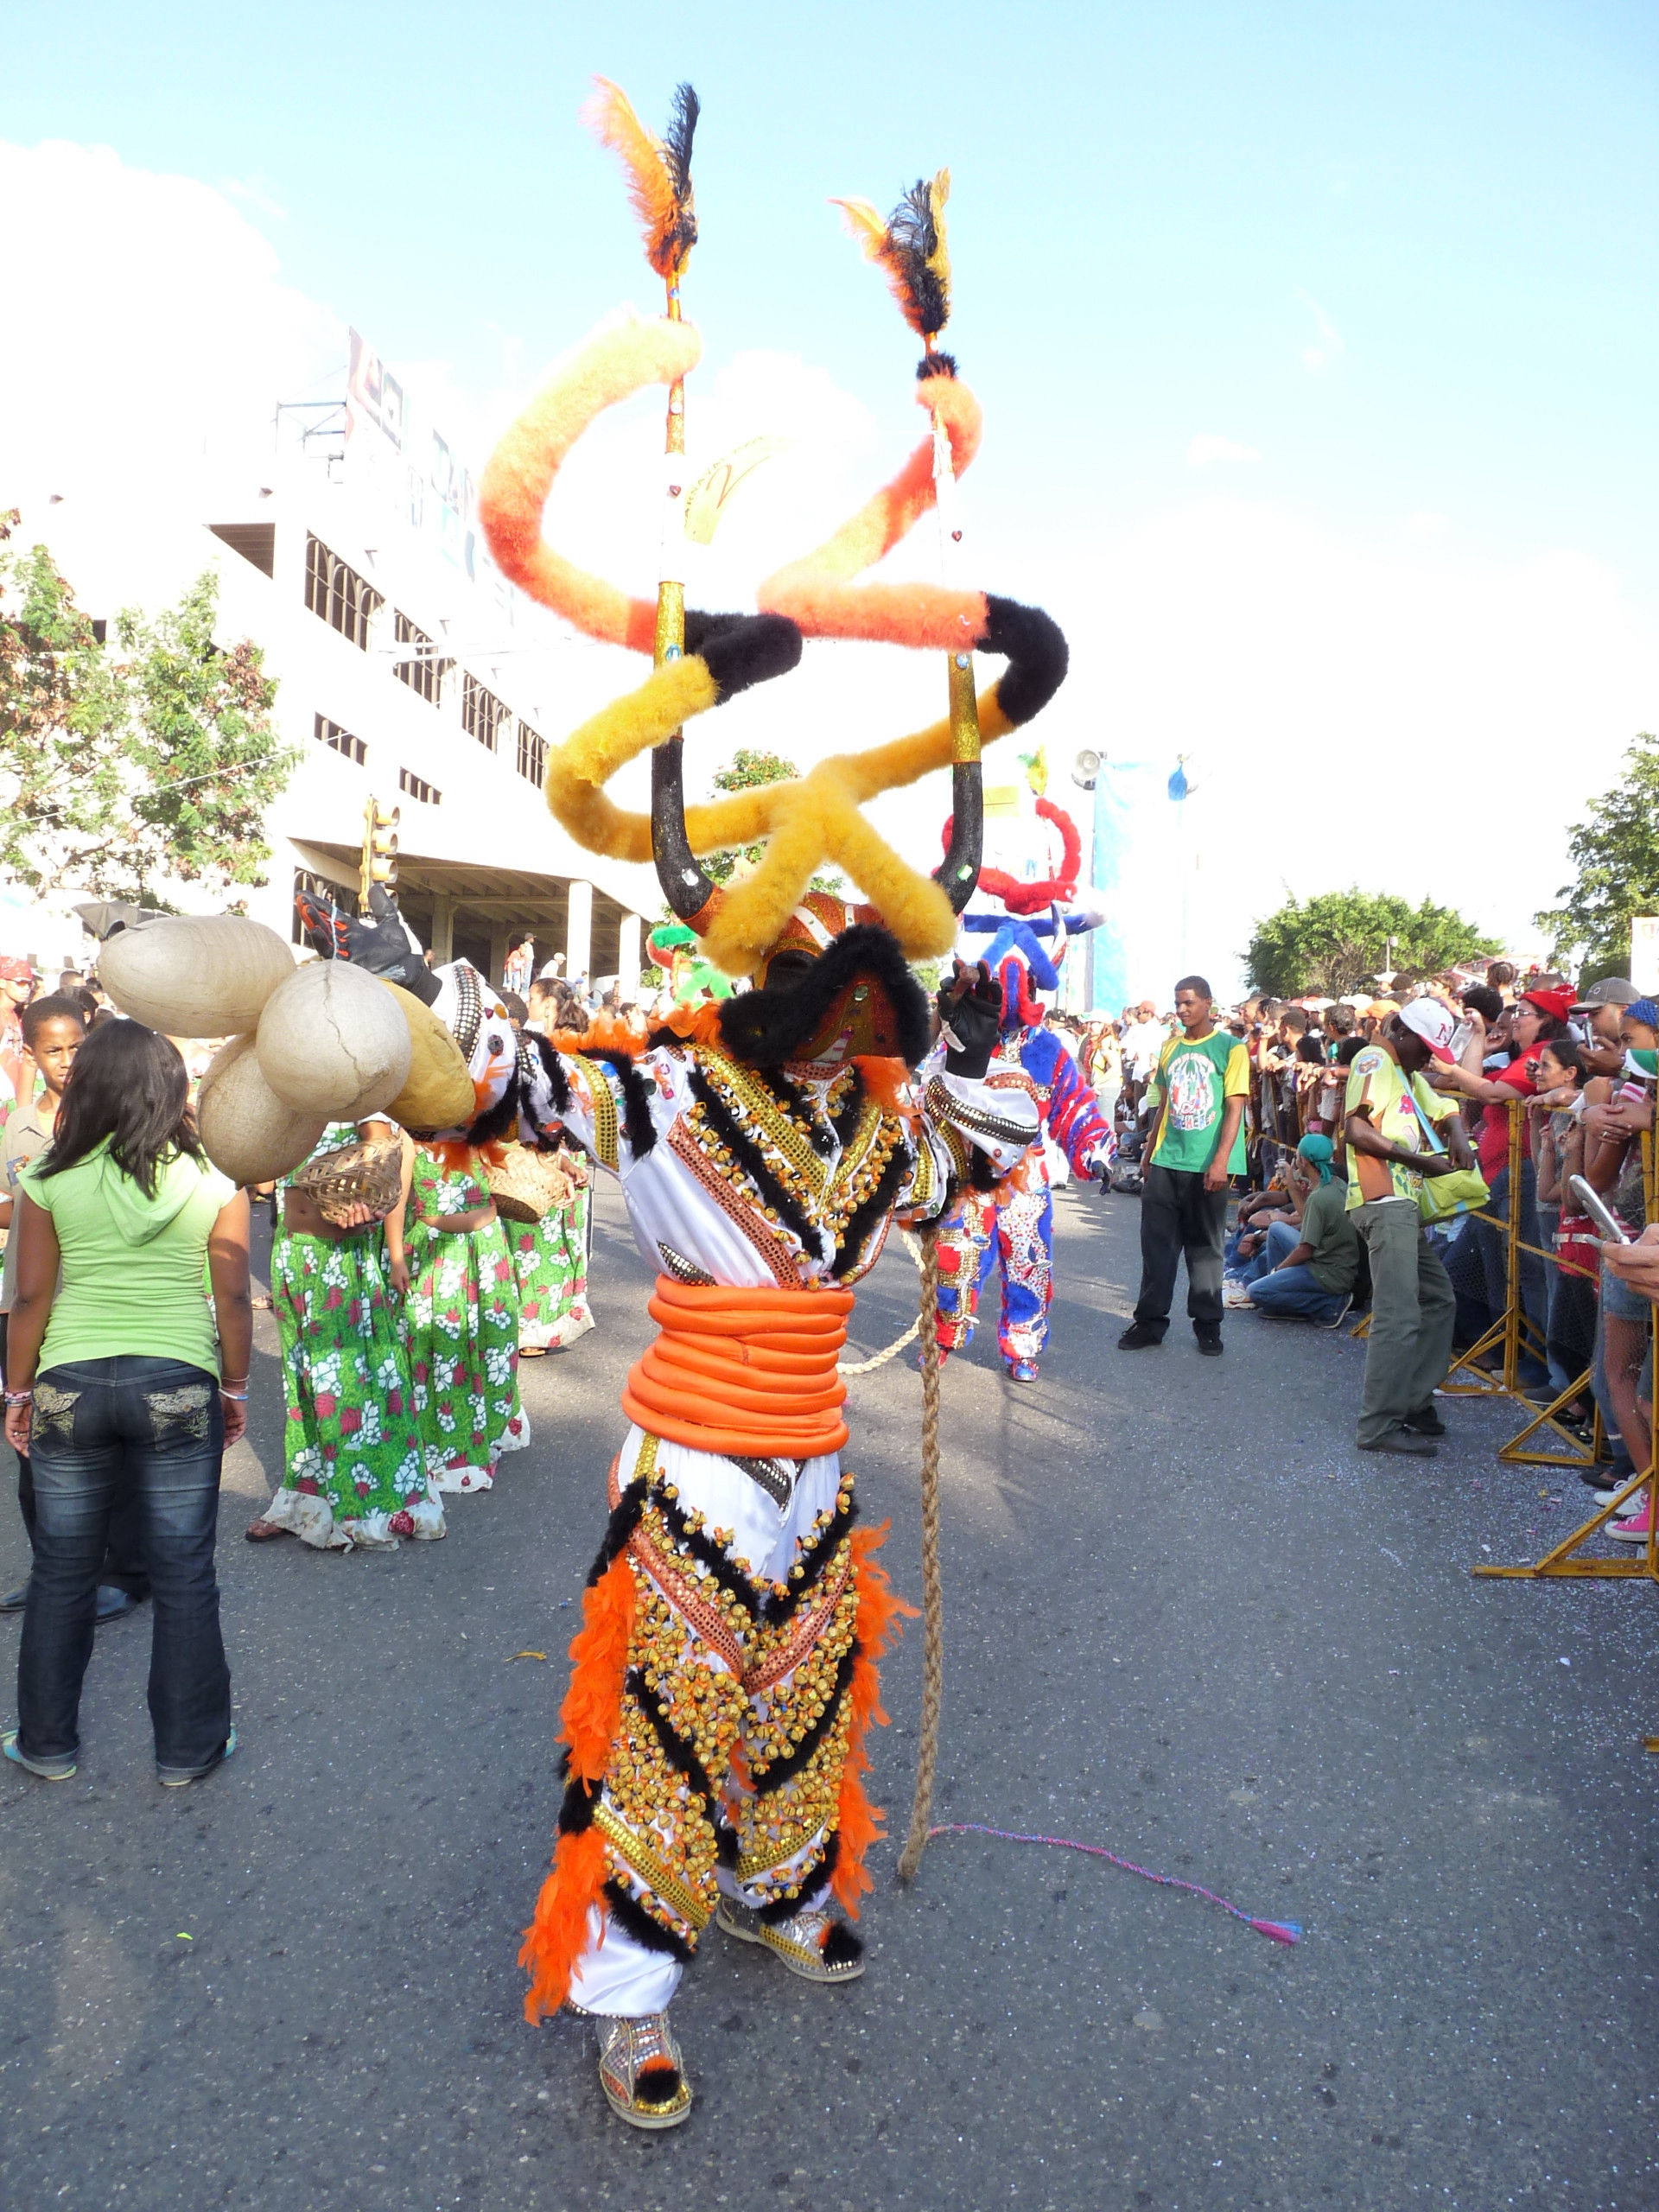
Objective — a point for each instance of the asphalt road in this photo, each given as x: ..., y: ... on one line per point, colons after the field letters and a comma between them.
x: 1184, y: 1620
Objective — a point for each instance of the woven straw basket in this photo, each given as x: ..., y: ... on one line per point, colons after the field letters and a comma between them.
x: 357, y: 1175
x: 527, y: 1184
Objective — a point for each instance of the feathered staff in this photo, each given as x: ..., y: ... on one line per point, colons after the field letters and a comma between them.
x: 910, y: 249
x: 659, y: 186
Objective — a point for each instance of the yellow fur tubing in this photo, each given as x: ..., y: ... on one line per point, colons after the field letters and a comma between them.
x: 640, y: 719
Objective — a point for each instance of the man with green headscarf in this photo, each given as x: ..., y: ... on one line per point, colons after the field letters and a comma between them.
x: 1314, y: 1280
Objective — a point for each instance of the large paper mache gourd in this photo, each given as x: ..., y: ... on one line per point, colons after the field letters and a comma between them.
x: 195, y: 974
x: 334, y: 1041
x: 249, y: 1133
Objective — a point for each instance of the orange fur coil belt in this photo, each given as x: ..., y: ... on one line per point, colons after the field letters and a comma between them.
x: 743, y: 1371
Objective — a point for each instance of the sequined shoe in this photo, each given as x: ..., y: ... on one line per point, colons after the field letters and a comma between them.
x: 812, y: 1944
x: 640, y: 2070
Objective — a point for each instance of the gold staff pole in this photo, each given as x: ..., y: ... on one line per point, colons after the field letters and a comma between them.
x: 659, y: 186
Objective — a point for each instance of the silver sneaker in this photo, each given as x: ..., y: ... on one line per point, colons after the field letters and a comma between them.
x: 640, y: 2069
x: 813, y: 1943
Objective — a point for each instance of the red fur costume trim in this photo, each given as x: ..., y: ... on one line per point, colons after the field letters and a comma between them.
x: 614, y: 362
x: 589, y: 1721
x: 816, y: 591
x: 879, y: 1612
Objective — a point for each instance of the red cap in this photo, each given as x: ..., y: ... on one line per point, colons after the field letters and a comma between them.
x: 14, y: 971
x: 1558, y: 1003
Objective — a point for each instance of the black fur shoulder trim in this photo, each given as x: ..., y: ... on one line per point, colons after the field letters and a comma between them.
x: 625, y: 1519
x: 773, y: 1777
x: 634, y: 1920
x: 846, y: 1121
x: 862, y: 1226
x: 637, y: 1124
x: 674, y: 1749
x: 550, y: 1060
x: 782, y: 1909
x: 983, y: 1173
x: 768, y: 1026
x: 727, y: 1844
x: 703, y: 1548
x: 502, y: 1119
x: 718, y: 1117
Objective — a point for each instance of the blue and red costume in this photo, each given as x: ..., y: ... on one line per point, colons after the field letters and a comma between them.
x: 1012, y: 1220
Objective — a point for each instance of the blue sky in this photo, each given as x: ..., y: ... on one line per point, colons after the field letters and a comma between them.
x: 1396, y: 264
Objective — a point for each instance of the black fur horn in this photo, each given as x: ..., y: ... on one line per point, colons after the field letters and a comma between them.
x: 692, y: 895
x: 958, y: 871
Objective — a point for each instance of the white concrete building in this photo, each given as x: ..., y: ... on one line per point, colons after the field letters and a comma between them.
x: 407, y: 671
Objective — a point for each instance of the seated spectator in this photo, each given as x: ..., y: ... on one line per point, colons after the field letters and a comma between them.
x: 1313, y: 1279
x: 120, y: 1222
x: 1278, y: 1206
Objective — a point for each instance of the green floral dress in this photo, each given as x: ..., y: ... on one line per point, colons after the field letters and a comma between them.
x: 353, y: 1472
x: 463, y: 1331
x: 550, y: 1263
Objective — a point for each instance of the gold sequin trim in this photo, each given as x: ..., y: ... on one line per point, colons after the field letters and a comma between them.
x: 649, y: 1869
x: 606, y: 1140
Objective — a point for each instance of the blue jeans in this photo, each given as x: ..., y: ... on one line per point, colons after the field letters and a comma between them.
x: 151, y: 1431
x: 1531, y: 1370
x: 1296, y: 1294
x: 1281, y: 1239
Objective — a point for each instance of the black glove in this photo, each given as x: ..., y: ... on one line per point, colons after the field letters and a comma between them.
x: 970, y: 1014
x: 379, y: 946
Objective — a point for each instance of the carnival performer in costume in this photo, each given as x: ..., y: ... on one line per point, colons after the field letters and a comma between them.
x: 1011, y: 1222
x: 725, y: 1674
x: 449, y: 1258
x: 353, y: 1474
x: 549, y: 1264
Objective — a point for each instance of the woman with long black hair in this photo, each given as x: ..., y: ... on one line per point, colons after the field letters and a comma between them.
x: 117, y: 1387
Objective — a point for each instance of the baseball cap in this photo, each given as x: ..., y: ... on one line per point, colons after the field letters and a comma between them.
x: 1434, y: 1024
x: 1611, y: 990
x: 16, y: 970
x: 1559, y: 1004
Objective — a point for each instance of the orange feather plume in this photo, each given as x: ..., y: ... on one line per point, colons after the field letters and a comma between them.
x: 658, y: 171
x: 880, y: 1611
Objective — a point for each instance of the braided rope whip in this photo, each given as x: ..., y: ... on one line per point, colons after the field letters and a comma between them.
x: 932, y: 1596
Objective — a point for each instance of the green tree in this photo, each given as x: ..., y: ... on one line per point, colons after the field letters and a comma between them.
x: 1330, y: 944
x: 745, y: 772
x: 124, y: 768
x: 1616, y: 853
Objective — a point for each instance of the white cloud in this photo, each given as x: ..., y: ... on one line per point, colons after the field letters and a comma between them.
x: 1204, y: 449
x: 1328, y: 347
x: 254, y: 190
x: 159, y: 331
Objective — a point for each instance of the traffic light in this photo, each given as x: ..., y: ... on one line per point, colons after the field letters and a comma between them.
x: 379, y: 851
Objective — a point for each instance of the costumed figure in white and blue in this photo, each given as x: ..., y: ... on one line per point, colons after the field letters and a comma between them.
x: 1007, y: 1218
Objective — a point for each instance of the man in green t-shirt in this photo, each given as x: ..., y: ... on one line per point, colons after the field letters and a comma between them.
x: 1196, y: 1100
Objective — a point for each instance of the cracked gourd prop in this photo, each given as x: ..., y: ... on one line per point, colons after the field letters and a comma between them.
x: 334, y: 1041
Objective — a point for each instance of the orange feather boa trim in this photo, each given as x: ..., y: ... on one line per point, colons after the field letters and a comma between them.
x: 589, y: 1721
x: 881, y: 1613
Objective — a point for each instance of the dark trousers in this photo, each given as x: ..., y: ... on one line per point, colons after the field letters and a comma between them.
x: 150, y: 1434
x: 123, y: 1563
x: 1179, y: 1219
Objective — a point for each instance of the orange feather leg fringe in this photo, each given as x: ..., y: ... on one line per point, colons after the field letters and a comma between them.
x: 881, y: 1613
x: 589, y: 1721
